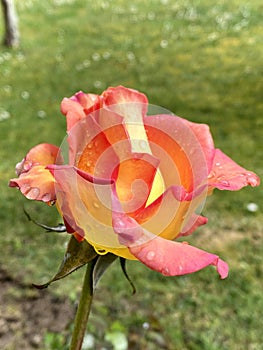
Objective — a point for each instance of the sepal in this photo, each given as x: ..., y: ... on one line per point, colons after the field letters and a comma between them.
x: 77, y: 255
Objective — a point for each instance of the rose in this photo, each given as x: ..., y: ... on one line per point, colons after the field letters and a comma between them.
x: 133, y: 182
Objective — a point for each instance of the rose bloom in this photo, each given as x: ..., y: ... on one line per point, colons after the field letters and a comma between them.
x: 132, y: 182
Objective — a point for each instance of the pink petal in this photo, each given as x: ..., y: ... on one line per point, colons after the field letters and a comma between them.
x: 204, y: 137
x: 122, y: 96
x: 78, y: 107
x: 167, y: 257
x: 228, y: 175
x: 175, y: 259
x: 196, y: 221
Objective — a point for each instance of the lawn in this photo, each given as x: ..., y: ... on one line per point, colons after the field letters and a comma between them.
x: 203, y: 61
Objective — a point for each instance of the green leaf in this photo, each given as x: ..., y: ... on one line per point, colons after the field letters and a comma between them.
x: 77, y: 255
x: 102, y: 264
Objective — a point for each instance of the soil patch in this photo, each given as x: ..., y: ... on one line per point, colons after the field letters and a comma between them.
x: 26, y: 314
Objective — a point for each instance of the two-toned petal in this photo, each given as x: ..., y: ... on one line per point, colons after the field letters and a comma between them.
x: 35, y: 181
x: 167, y: 257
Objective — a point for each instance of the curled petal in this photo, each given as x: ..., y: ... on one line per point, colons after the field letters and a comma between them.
x: 42, y: 154
x: 196, y: 221
x: 121, y: 96
x: 78, y: 106
x: 228, y: 175
x: 132, y: 106
x: 204, y: 137
x: 35, y: 181
x: 168, y: 257
x: 175, y: 259
x: 37, y: 184
x: 173, y: 212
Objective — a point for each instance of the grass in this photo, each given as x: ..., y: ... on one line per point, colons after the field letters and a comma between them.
x: 203, y: 62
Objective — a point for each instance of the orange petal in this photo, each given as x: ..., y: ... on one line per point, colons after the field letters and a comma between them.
x: 134, y: 181
x: 175, y: 143
x: 90, y: 150
x: 35, y: 181
x: 37, y: 184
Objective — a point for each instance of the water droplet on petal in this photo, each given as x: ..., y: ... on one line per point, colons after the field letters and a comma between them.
x: 211, y: 175
x: 150, y: 255
x: 225, y: 183
x: 46, y: 197
x: 96, y: 205
x: 166, y: 271
x: 218, y: 164
x: 33, y: 193
x: 251, y: 180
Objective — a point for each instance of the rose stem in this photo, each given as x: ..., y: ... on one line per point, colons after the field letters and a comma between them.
x: 81, y: 319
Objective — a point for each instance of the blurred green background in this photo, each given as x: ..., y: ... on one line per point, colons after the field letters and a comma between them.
x: 203, y: 61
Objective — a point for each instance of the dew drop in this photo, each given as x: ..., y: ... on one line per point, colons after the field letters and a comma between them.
x: 33, y: 193
x: 225, y: 183
x: 96, y: 205
x: 25, y: 95
x: 164, y: 44
x: 145, y: 325
x: 106, y: 55
x: 166, y: 271
x: 218, y: 164
x: 98, y: 84
x: 86, y: 63
x: 41, y: 114
x: 4, y: 115
x: 150, y: 255
x: 143, y: 144
x: 46, y: 197
x: 96, y: 57
x: 211, y: 175
x: 251, y: 180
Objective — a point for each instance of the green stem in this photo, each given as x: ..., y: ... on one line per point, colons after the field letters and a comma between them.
x: 83, y: 311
